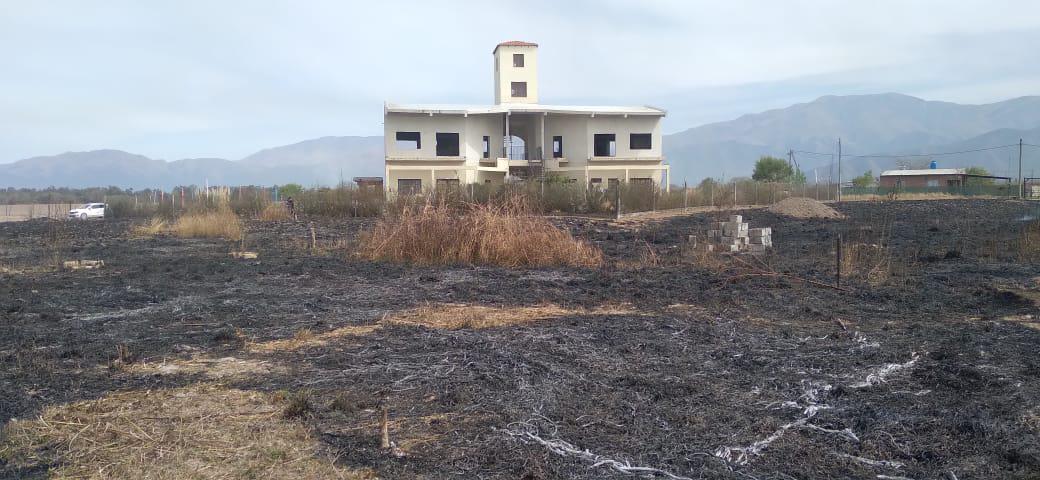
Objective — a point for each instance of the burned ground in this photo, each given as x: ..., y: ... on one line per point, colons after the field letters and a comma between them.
x: 657, y: 360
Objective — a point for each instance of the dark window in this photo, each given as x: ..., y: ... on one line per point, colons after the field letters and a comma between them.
x: 518, y: 60
x: 645, y: 182
x: 447, y: 183
x: 639, y: 141
x: 408, y: 141
x: 518, y: 89
x: 409, y: 186
x: 487, y: 146
x: 613, y: 182
x: 557, y: 147
x: 604, y: 145
x: 447, y: 144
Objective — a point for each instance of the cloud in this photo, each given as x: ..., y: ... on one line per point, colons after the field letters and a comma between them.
x: 196, y: 78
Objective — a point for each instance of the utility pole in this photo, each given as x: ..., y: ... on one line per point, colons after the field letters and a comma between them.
x: 1021, y: 181
x: 839, y: 169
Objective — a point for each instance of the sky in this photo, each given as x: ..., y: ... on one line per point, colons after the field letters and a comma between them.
x: 197, y: 79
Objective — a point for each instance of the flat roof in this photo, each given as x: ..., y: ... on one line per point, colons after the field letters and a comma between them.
x: 523, y: 108
x: 929, y: 171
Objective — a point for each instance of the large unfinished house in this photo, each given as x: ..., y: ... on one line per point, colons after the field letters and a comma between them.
x: 518, y: 138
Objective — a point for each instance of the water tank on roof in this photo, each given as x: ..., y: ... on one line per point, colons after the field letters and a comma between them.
x: 933, y: 165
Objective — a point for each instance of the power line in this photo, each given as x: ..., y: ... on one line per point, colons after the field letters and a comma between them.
x: 934, y: 154
x: 814, y: 153
x: 1031, y: 145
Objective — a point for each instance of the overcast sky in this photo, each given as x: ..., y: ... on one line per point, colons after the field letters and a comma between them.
x: 226, y: 78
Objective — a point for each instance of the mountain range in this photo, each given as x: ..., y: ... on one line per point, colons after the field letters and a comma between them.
x: 869, y: 126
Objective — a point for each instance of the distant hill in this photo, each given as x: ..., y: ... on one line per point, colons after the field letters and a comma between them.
x: 867, y: 124
x: 318, y: 161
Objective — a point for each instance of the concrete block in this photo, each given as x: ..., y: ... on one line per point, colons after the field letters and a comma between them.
x: 760, y: 232
x: 766, y: 240
x: 732, y: 248
x: 756, y: 248
x: 736, y: 218
x: 733, y: 228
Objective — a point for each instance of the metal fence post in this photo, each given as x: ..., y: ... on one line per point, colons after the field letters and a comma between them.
x: 617, y: 207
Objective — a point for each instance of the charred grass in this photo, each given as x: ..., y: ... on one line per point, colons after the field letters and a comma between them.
x: 284, y: 366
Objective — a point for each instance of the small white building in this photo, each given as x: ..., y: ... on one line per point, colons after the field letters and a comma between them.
x: 432, y: 145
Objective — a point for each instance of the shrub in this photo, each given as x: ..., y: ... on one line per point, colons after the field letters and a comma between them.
x: 506, y: 235
x: 221, y: 223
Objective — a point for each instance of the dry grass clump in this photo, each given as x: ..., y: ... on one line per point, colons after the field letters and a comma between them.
x: 221, y: 223
x: 457, y: 316
x: 299, y: 341
x: 154, y: 227
x: 1029, y: 243
x: 479, y: 234
x: 871, y: 261
x: 274, y: 212
x: 203, y: 431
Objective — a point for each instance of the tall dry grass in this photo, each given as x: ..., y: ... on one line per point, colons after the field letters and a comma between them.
x: 1029, y: 243
x: 222, y: 223
x: 274, y: 212
x: 506, y: 235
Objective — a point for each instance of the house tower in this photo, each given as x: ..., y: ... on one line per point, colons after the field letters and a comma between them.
x: 516, y: 72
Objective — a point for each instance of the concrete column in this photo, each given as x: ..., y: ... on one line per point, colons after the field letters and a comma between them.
x: 433, y: 179
x: 626, y: 175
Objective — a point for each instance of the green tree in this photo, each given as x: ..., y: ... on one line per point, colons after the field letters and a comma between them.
x: 978, y: 181
x: 772, y: 169
x: 290, y: 189
x: 865, y: 180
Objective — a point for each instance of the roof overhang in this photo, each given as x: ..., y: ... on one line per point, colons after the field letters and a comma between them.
x: 524, y: 108
x: 924, y: 172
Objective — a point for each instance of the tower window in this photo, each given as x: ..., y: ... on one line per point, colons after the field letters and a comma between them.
x: 518, y: 60
x: 639, y: 141
x: 557, y: 146
x: 518, y: 89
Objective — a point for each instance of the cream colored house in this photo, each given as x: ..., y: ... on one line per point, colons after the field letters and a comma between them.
x: 518, y: 138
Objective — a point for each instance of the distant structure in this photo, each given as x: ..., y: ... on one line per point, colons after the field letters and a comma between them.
x: 930, y: 178
x: 518, y: 138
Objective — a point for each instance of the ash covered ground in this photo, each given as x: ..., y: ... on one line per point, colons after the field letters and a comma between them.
x: 660, y: 363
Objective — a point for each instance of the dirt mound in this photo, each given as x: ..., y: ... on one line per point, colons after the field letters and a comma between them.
x: 801, y: 207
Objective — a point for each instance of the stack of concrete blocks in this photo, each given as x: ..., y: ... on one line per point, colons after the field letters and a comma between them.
x: 734, y: 236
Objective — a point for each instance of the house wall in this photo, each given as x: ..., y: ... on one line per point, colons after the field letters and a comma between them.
x: 577, y: 132
x: 623, y: 127
x: 506, y: 73
x: 573, y: 129
x: 427, y: 126
x: 920, y: 181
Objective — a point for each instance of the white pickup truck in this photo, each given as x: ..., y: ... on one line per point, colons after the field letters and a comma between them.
x: 88, y: 210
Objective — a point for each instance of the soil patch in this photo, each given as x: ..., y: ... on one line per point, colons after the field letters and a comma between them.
x: 801, y: 207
